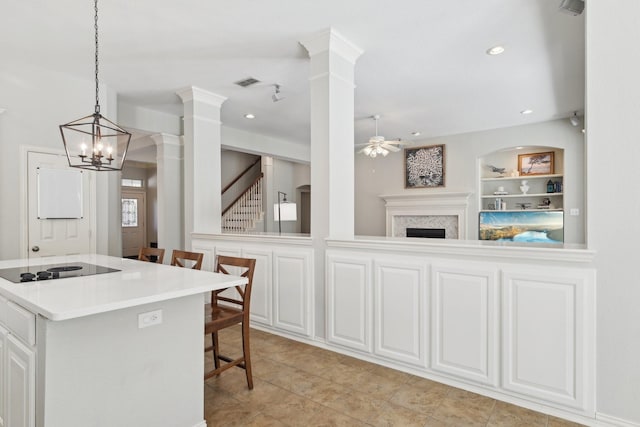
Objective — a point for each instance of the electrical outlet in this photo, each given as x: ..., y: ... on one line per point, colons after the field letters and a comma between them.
x: 574, y: 212
x: 149, y: 318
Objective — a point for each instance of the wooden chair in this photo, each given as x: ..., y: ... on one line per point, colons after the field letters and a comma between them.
x: 230, y: 313
x: 180, y: 258
x: 151, y: 255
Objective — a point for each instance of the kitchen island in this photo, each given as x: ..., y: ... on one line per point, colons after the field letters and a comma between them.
x: 122, y: 348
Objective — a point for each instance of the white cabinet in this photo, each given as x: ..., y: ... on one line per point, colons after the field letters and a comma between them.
x: 292, y: 292
x: 546, y: 334
x: 349, y: 316
x: 20, y: 381
x: 464, y: 325
x: 17, y: 366
x: 400, y: 316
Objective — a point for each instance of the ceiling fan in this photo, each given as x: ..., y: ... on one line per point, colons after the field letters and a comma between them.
x: 377, y: 145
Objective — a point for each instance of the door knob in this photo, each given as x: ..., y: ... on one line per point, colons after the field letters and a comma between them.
x: 35, y: 249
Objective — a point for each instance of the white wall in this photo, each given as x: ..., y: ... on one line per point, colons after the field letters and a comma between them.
x: 613, y: 149
x: 36, y: 103
x: 135, y: 117
x: 385, y: 175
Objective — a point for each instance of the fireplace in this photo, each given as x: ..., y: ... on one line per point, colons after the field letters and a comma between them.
x: 441, y: 210
x: 427, y: 233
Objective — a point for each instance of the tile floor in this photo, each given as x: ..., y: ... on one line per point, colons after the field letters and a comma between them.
x: 301, y: 385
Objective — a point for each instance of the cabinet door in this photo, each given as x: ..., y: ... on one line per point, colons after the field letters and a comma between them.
x: 21, y: 381
x: 548, y: 339
x: 465, y: 322
x: 399, y: 311
x: 292, y: 291
x: 3, y: 376
x: 349, y: 301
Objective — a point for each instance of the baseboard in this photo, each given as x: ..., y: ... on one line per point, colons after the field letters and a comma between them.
x: 609, y: 420
x: 202, y: 423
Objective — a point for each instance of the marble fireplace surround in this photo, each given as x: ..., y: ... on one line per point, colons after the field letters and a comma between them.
x: 446, y: 210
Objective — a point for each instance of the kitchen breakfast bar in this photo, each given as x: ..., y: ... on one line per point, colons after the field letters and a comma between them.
x: 120, y: 346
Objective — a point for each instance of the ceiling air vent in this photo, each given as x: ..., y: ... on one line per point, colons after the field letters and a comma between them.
x: 247, y: 82
x: 574, y: 7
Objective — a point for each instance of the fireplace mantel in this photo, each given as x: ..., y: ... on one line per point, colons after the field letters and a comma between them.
x: 436, y: 204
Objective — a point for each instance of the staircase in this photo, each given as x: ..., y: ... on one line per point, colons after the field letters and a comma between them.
x: 244, y: 214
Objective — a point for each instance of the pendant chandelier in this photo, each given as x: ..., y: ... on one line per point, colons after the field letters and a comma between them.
x: 94, y: 142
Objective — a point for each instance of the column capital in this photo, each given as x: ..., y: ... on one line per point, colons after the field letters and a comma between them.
x: 193, y: 93
x: 330, y: 39
x: 166, y: 139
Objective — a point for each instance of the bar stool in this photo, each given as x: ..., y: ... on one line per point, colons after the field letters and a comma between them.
x: 231, y: 312
x: 180, y: 258
x: 151, y: 255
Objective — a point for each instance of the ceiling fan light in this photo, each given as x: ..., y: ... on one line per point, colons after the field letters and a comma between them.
x: 373, y: 154
x: 367, y: 150
x: 385, y: 152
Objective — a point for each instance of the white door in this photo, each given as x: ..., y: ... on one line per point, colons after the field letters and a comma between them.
x: 134, y: 213
x: 60, y: 236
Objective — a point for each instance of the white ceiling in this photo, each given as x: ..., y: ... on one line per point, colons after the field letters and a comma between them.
x: 424, y: 66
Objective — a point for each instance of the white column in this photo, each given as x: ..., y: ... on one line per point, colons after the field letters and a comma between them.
x: 170, y: 192
x: 202, y: 182
x: 332, y: 149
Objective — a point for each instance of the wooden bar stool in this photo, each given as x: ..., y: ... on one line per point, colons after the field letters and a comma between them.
x: 181, y: 258
x: 151, y: 255
x: 230, y: 312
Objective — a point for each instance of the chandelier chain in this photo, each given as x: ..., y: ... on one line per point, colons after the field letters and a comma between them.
x: 96, y: 30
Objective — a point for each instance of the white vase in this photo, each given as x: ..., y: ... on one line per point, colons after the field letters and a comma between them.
x: 524, y: 187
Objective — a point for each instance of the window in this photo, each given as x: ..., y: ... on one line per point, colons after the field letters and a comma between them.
x: 129, y: 212
x: 137, y: 183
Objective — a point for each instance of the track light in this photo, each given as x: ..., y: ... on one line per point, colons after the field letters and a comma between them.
x: 276, y: 94
x: 574, y: 120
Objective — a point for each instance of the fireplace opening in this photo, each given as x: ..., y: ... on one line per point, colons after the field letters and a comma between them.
x: 429, y: 233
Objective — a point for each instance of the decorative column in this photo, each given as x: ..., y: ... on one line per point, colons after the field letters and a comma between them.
x: 170, y: 191
x: 202, y: 182
x: 332, y: 146
x: 332, y: 149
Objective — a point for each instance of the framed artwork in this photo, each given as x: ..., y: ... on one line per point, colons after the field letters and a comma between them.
x: 535, y: 163
x: 424, y: 166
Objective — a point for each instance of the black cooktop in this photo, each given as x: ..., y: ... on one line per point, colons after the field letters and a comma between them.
x: 31, y: 273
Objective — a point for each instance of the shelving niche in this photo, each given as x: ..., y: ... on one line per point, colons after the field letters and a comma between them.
x: 492, y: 182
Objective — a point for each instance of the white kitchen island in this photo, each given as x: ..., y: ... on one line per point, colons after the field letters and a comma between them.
x: 77, y: 352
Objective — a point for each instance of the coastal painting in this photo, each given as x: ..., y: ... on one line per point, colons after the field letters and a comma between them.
x: 523, y: 226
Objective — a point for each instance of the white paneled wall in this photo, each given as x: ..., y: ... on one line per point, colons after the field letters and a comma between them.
x: 513, y: 323
x: 464, y: 314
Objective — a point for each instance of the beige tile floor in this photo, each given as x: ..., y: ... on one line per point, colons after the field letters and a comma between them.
x: 301, y: 385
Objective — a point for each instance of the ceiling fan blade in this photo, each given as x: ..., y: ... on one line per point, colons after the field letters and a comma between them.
x: 392, y: 148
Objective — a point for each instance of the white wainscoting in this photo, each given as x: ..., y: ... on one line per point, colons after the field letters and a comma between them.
x: 349, y: 317
x: 545, y: 340
x: 400, y: 310
x: 291, y: 292
x: 516, y: 323
x: 282, y: 282
x: 465, y: 326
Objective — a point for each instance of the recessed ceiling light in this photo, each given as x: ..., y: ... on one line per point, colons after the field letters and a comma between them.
x: 249, y: 116
x: 496, y: 50
x: 525, y: 112
x: 416, y: 133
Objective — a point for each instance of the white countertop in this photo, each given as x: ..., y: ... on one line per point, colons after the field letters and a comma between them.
x: 137, y: 283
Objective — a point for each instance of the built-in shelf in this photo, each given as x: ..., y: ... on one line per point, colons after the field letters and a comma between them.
x: 518, y: 178
x: 520, y: 195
